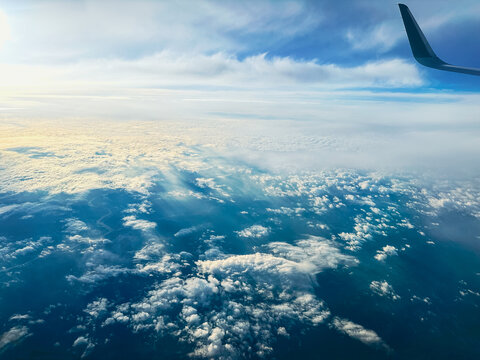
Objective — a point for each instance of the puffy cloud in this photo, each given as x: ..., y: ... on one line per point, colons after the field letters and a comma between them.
x: 13, y: 336
x: 358, y: 332
x: 87, y: 244
x: 312, y: 254
x: 26, y: 248
x: 383, y: 37
x: 383, y: 288
x: 99, y: 273
x: 186, y: 231
x: 95, y: 308
x: 138, y: 224
x: 256, y: 72
x: 238, y: 302
x: 151, y: 251
x: 84, y: 343
x: 254, y: 231
x: 387, y: 250
x: 75, y: 226
x: 287, y: 211
x: 19, y: 317
x: 7, y: 208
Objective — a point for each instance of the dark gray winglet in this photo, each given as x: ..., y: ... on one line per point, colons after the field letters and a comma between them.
x: 421, y: 49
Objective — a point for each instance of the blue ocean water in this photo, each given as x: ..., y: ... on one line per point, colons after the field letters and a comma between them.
x: 223, y: 263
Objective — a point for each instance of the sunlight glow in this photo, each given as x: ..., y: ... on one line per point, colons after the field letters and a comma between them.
x: 4, y: 28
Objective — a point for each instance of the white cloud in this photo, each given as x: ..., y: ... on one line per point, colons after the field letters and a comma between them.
x: 166, y: 69
x: 312, y: 254
x: 87, y: 244
x: 138, y: 224
x: 13, y: 250
x: 382, y: 37
x: 19, y: 317
x: 130, y: 155
x: 99, y: 273
x: 7, y: 208
x: 254, y: 231
x: 13, y: 336
x: 237, y: 303
x: 84, y: 343
x: 287, y: 211
x: 151, y: 251
x: 383, y: 288
x: 67, y: 31
x: 358, y: 332
x: 75, y: 225
x: 97, y: 307
x: 186, y: 231
x: 387, y: 250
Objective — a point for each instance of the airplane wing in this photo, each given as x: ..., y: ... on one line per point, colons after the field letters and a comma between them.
x: 421, y: 49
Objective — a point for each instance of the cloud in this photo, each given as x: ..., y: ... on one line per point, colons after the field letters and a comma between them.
x: 89, y: 28
x: 237, y: 303
x: 13, y: 336
x: 19, y: 317
x: 166, y: 69
x: 86, y: 244
x: 383, y: 288
x: 312, y: 254
x: 358, y: 332
x: 8, y: 208
x: 186, y: 231
x: 382, y: 37
x: 98, y: 273
x: 97, y: 307
x: 84, y: 343
x: 150, y: 251
x: 75, y: 225
x: 138, y: 224
x: 286, y: 211
x: 25, y: 248
x: 254, y: 231
x: 387, y: 250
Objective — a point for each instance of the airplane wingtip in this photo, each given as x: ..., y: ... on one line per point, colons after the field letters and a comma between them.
x: 403, y: 8
x: 422, y: 50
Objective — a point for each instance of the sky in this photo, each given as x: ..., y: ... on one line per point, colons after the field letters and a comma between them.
x: 293, y: 42
x: 339, y: 68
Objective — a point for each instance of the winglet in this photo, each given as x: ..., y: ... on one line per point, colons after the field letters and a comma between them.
x: 421, y: 49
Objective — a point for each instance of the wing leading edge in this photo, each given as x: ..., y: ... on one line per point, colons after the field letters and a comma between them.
x: 421, y: 49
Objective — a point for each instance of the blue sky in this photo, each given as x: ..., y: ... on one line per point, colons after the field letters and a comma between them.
x: 312, y: 69
x: 345, y: 34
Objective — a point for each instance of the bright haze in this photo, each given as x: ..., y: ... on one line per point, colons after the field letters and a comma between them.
x: 237, y: 179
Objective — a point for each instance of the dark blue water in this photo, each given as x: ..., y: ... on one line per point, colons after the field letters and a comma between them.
x: 51, y: 270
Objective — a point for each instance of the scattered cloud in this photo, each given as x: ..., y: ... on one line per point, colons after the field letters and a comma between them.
x: 138, y: 224
x: 387, y: 250
x: 383, y: 288
x: 95, y: 308
x: 358, y: 332
x: 186, y: 231
x: 238, y: 301
x: 13, y: 336
x: 84, y: 344
x: 254, y: 231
